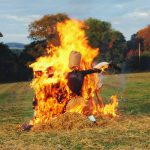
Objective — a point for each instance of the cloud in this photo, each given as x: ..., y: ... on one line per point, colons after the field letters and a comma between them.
x: 126, y: 16
x: 120, y: 6
x: 23, y: 19
x: 139, y: 14
x: 131, y: 18
x: 115, y: 22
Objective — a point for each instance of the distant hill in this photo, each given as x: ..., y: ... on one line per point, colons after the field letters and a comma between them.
x: 19, y: 46
x: 16, y: 48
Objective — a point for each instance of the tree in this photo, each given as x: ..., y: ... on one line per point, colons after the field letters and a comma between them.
x: 8, y: 64
x: 98, y: 33
x: 1, y: 35
x: 44, y: 28
x: 111, y: 43
x: 31, y: 52
x: 133, y: 64
x: 133, y: 43
x: 43, y: 33
x: 117, y: 47
x: 145, y: 35
x: 134, y: 61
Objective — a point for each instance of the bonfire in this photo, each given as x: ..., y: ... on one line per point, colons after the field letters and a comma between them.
x: 52, y: 95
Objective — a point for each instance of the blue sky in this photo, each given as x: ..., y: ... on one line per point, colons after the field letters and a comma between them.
x: 127, y: 16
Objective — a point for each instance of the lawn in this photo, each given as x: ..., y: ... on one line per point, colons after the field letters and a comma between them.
x: 131, y: 130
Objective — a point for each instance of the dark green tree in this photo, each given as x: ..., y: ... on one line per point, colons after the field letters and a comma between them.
x: 8, y: 64
x: 117, y: 47
x: 1, y: 35
x: 98, y: 33
x: 31, y: 52
x: 133, y: 43
x: 111, y: 43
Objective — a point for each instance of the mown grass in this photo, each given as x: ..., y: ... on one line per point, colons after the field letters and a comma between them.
x: 131, y: 130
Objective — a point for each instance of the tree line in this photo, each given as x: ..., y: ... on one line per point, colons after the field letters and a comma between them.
x: 111, y: 43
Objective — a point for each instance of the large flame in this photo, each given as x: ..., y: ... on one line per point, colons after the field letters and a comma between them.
x: 50, y: 84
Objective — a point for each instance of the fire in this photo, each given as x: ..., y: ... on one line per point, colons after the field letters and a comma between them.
x: 50, y: 84
x: 110, y: 109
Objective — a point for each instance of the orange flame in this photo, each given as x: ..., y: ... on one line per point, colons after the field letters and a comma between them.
x: 51, y: 91
x: 110, y: 109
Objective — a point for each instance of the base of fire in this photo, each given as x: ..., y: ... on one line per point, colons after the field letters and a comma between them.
x: 80, y: 108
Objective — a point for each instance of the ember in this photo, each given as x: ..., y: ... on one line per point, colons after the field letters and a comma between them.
x: 52, y: 94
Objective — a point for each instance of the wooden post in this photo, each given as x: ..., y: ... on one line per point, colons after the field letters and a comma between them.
x: 139, y: 52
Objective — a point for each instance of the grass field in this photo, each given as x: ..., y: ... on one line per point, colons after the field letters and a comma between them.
x: 131, y: 130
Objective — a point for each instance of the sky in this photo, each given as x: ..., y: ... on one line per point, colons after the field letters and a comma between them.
x: 126, y: 16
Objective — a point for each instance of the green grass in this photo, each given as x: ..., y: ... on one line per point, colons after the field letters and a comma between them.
x: 131, y: 130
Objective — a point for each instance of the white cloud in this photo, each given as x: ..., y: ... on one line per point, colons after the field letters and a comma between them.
x: 139, y: 14
x: 120, y: 6
x: 115, y: 22
x: 24, y: 19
